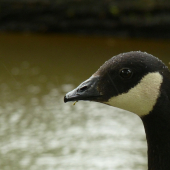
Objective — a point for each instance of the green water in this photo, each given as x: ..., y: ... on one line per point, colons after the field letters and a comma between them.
x: 39, y: 132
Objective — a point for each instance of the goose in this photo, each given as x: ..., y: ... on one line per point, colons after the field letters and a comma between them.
x: 140, y: 83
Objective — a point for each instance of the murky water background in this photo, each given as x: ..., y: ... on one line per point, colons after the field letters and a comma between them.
x: 39, y: 132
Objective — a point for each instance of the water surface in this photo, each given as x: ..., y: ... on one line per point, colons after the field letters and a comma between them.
x: 38, y: 131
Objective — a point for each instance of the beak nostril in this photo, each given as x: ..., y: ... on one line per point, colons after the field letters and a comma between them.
x: 85, y: 91
x: 83, y: 88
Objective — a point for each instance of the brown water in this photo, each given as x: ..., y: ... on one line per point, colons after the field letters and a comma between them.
x: 39, y: 132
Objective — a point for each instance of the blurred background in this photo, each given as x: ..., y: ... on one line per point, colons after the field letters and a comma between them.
x: 48, y: 47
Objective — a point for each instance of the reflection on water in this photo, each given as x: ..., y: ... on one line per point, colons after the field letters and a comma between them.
x: 38, y: 131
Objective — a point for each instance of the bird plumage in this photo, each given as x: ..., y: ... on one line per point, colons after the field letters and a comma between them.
x: 140, y: 83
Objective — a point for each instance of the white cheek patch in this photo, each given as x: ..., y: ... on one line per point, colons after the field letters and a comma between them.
x: 141, y: 98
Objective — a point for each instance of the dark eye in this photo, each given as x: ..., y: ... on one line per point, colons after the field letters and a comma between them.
x: 126, y: 73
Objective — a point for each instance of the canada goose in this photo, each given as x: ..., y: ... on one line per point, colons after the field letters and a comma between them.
x: 140, y: 83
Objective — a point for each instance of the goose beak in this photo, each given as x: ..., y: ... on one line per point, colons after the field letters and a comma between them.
x: 88, y: 90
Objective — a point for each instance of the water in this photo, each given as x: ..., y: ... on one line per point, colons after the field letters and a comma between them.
x: 38, y: 131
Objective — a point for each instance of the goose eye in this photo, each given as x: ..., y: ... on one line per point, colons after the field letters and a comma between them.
x: 126, y: 73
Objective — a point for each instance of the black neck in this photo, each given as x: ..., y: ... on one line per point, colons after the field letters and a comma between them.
x: 157, y: 128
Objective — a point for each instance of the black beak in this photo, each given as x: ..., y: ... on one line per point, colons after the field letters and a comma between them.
x: 85, y: 91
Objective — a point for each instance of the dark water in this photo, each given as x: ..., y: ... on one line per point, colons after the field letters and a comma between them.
x: 39, y: 132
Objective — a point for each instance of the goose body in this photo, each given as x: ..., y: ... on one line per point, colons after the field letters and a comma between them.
x: 140, y: 83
